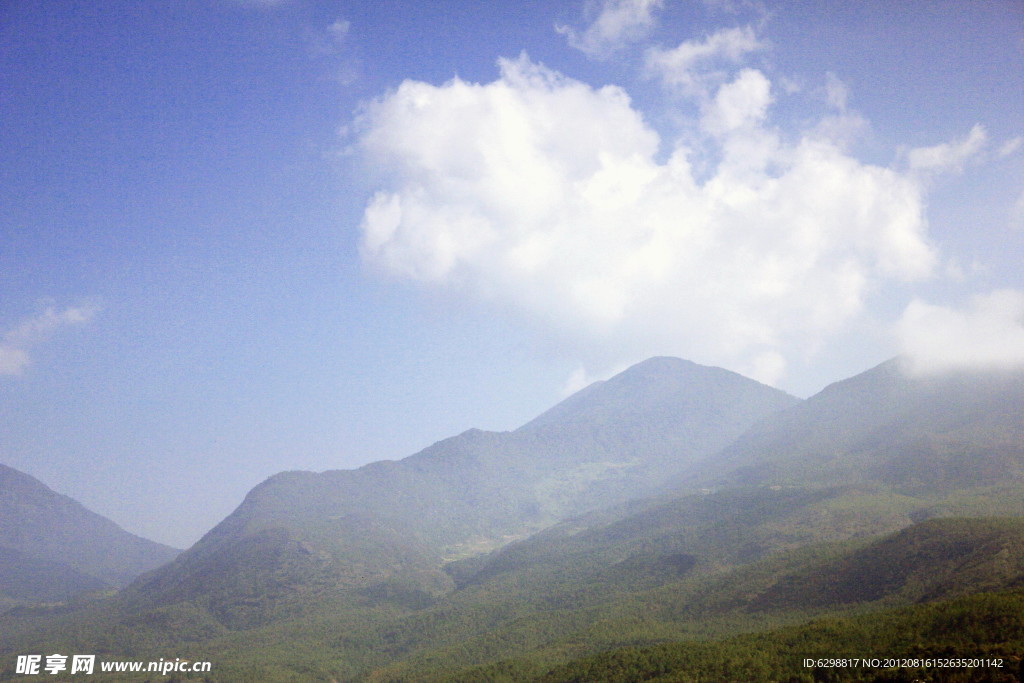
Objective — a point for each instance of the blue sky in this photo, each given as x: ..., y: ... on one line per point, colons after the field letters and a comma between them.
x: 243, y: 237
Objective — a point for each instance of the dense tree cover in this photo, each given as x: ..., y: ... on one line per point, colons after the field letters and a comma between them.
x: 519, y: 615
x: 987, y: 627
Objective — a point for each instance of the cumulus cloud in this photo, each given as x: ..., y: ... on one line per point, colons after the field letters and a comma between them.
x: 612, y: 24
x: 986, y: 334
x: 743, y: 103
x: 556, y: 199
x: 949, y: 156
x: 19, y: 340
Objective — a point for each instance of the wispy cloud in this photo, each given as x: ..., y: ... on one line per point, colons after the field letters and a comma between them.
x: 986, y: 334
x: 696, y: 65
x: 544, y: 194
x: 1010, y: 147
x: 338, y: 30
x: 331, y: 40
x: 948, y: 156
x: 18, y: 341
x: 611, y: 25
x: 837, y: 93
x: 329, y: 45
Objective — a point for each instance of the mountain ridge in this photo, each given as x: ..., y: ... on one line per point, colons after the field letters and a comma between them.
x: 400, y: 521
x: 883, y: 423
x: 384, y: 572
x: 44, y: 533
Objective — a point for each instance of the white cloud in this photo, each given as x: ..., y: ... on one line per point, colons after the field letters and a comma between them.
x: 329, y: 41
x: 338, y: 30
x: 837, y: 93
x: 949, y: 156
x: 987, y: 334
x: 329, y: 47
x: 579, y: 379
x: 842, y: 126
x: 12, y: 360
x: 543, y: 194
x: 692, y: 65
x: 743, y: 103
x: 612, y: 25
x: 19, y: 340
x: 1010, y: 147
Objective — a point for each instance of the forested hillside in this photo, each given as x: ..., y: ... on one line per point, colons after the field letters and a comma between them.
x: 855, y: 509
x: 52, y: 548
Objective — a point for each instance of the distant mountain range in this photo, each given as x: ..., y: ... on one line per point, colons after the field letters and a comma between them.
x: 668, y: 502
x: 52, y: 548
x: 948, y: 432
x: 391, y: 526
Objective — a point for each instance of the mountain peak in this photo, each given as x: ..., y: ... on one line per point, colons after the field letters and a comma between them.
x: 661, y: 385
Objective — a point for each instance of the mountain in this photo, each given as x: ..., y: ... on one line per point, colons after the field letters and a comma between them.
x: 388, y: 528
x: 870, y: 455
x: 932, y: 562
x: 665, y: 412
x: 24, y: 578
x: 957, y: 430
x: 867, y: 455
x: 936, y: 559
x: 796, y: 523
x: 52, y: 547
